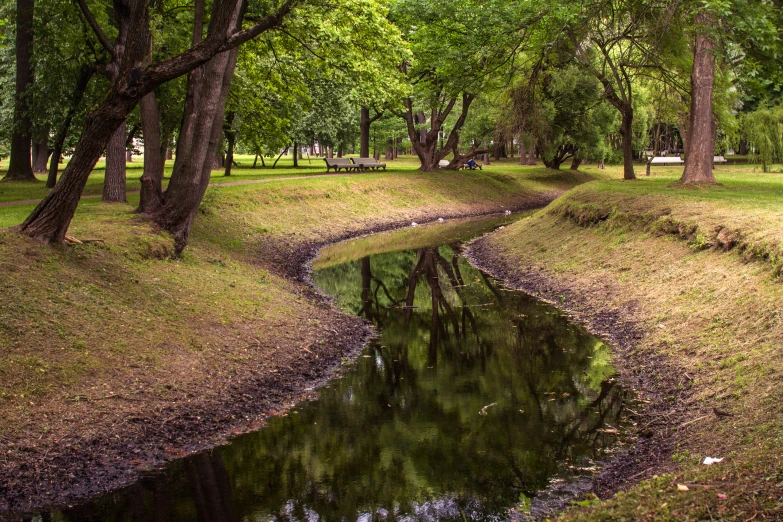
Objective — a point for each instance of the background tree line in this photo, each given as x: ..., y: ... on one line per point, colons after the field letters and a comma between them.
x: 200, y: 80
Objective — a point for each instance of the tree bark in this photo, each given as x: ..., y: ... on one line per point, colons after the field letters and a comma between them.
x: 575, y: 163
x: 189, y: 182
x: 626, y: 130
x: 522, y: 153
x: 151, y: 194
x: 364, y: 133
x: 20, y: 167
x: 231, y: 136
x: 297, y: 154
x: 85, y: 75
x: 701, y: 141
x: 129, y: 83
x: 531, y: 160
x: 114, y: 180
x: 41, y: 152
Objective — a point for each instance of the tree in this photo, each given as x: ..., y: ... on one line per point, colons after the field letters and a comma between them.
x: 700, y: 146
x: 20, y: 167
x: 460, y: 49
x: 114, y: 181
x: 575, y: 120
x: 764, y: 130
x: 130, y: 80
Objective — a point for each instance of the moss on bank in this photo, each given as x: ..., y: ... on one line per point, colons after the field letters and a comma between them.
x: 698, y: 273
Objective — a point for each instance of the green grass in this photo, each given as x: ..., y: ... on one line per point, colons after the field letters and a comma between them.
x: 244, y: 172
x: 121, y: 316
x: 698, y: 270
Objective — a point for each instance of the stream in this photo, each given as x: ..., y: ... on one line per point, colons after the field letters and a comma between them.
x: 472, y: 400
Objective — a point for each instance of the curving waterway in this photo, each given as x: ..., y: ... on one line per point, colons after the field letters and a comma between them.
x: 472, y: 400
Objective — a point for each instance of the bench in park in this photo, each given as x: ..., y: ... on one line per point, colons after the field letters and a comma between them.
x: 368, y: 163
x: 676, y: 160
x: 341, y: 163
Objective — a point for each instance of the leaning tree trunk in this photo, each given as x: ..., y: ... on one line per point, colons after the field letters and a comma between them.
x: 114, y: 181
x: 49, y: 221
x: 701, y: 141
x: 85, y: 74
x: 20, y: 167
x: 191, y: 175
x: 152, y: 180
x: 575, y: 163
x: 626, y: 130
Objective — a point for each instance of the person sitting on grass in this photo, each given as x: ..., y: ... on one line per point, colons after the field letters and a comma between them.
x: 472, y: 165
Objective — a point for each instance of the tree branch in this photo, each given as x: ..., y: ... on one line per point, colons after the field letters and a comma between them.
x: 95, y: 27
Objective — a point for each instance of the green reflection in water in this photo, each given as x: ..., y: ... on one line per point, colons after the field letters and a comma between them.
x: 472, y: 398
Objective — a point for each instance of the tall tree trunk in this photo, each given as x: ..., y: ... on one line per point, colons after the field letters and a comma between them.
x: 297, y: 154
x: 389, y: 149
x: 626, y: 130
x: 701, y: 142
x: 189, y: 182
x: 20, y: 167
x: 422, y: 120
x: 151, y: 194
x: 231, y: 136
x: 114, y: 181
x: 41, y: 152
x: 522, y: 152
x: 364, y: 132
x: 85, y: 75
x: 531, y: 160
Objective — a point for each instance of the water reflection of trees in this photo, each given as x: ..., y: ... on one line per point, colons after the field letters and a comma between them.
x: 404, y: 431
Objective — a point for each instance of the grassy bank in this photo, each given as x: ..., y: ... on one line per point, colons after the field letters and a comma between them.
x: 115, y: 356
x: 697, y: 272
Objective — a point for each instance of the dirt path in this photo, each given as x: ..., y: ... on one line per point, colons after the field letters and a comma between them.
x: 229, y: 184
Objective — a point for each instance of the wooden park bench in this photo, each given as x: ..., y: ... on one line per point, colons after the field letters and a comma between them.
x: 368, y: 163
x: 341, y: 163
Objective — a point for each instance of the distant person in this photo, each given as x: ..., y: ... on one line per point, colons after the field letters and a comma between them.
x: 472, y: 165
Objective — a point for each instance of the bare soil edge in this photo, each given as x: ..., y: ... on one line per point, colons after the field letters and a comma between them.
x: 104, y: 462
x: 659, y: 382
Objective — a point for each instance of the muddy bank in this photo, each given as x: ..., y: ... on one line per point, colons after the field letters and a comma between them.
x: 664, y: 389
x: 118, y: 448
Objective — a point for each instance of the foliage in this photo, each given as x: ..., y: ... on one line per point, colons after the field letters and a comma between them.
x: 764, y: 129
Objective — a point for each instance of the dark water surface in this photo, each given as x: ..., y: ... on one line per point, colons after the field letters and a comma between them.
x: 472, y: 399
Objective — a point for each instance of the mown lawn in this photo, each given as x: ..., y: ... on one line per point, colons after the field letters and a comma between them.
x: 698, y: 272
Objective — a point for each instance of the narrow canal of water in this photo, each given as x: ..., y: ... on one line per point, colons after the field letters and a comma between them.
x: 473, y: 399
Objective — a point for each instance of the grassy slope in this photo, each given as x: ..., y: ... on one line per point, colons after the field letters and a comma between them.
x: 701, y: 270
x: 96, y: 333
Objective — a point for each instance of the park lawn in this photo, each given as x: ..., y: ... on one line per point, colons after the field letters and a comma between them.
x: 94, y: 334
x: 243, y: 172
x: 698, y: 272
